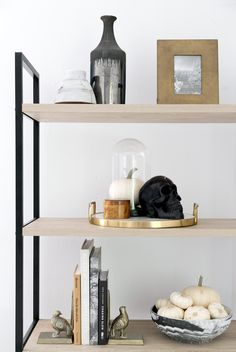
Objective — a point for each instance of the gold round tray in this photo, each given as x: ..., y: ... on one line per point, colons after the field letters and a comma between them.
x: 141, y: 222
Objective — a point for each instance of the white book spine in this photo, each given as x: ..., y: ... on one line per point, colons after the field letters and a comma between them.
x: 84, y: 267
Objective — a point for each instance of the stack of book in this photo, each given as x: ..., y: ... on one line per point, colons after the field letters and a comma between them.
x: 90, y: 298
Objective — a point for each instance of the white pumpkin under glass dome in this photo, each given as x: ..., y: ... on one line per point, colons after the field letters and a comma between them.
x: 130, y: 170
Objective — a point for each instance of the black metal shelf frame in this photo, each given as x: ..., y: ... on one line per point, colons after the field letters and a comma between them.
x: 21, y: 63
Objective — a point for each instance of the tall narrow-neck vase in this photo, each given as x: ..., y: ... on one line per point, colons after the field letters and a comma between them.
x: 107, y: 67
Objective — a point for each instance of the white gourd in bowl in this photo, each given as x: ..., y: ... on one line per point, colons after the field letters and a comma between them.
x: 171, y: 312
x: 163, y: 302
x: 126, y: 188
x: 217, y: 310
x: 201, y: 295
x: 180, y: 300
x: 197, y: 313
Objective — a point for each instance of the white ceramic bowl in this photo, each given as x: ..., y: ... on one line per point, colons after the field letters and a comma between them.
x: 191, y: 331
x: 75, y: 89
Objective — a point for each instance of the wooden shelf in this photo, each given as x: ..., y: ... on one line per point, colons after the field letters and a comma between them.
x: 154, y: 341
x: 81, y: 227
x: 159, y: 113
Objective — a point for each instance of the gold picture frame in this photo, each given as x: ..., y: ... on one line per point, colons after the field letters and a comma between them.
x: 198, y: 82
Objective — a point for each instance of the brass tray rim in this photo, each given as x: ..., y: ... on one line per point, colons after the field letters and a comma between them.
x: 141, y: 224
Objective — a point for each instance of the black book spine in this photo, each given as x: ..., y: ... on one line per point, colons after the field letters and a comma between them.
x: 102, y: 312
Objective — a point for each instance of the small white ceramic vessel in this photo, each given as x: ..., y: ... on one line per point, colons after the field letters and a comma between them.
x: 75, y: 89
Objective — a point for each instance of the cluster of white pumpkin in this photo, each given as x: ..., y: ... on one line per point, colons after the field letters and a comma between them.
x: 193, y: 303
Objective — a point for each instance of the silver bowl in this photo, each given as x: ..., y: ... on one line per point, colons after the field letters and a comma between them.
x: 191, y: 331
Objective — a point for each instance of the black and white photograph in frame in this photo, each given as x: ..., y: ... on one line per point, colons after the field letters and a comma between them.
x: 187, y: 74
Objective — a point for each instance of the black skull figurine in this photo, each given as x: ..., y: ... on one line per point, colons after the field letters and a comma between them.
x: 159, y: 198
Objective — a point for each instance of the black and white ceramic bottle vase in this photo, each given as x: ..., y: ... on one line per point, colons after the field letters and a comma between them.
x: 108, y: 66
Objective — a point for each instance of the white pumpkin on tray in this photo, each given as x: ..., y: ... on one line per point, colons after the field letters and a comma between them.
x: 126, y: 188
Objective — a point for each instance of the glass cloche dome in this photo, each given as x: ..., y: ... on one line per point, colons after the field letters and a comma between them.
x: 130, y: 170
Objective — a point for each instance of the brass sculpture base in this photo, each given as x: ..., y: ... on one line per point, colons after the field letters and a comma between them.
x: 46, y: 338
x: 132, y: 339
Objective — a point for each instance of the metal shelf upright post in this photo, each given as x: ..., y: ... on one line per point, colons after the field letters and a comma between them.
x: 21, y: 63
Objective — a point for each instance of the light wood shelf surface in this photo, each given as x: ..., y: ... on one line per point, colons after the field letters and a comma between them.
x: 81, y: 227
x: 156, y: 113
x: 154, y: 341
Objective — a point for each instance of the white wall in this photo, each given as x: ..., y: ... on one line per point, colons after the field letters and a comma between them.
x: 76, y: 159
